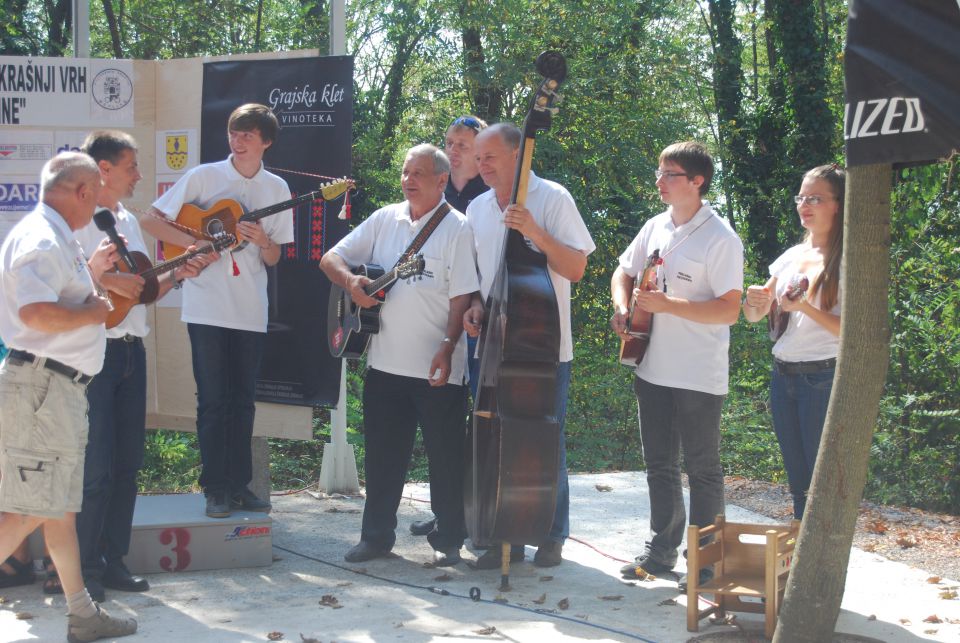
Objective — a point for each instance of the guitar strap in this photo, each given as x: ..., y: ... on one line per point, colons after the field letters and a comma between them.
x: 424, y: 234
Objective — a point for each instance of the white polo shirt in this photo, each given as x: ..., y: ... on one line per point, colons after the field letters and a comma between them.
x: 89, y: 236
x: 705, y: 265
x: 804, y: 340
x: 554, y: 210
x: 413, y: 318
x: 218, y: 297
x: 41, y: 262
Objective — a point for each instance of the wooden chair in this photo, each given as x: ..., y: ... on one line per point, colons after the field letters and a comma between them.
x: 750, y: 562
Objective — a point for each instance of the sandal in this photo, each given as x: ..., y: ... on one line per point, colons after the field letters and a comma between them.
x: 22, y: 573
x: 51, y: 585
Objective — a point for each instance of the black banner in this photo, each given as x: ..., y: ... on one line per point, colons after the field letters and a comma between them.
x: 313, y: 100
x: 902, y: 81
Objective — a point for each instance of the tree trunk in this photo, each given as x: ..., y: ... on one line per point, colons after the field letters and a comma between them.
x: 815, y: 587
x: 114, y: 28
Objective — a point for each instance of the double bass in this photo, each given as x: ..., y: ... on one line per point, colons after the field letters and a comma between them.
x: 513, y: 445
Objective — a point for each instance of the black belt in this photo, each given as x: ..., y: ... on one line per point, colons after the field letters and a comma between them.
x: 19, y: 358
x: 803, y: 368
x: 128, y: 338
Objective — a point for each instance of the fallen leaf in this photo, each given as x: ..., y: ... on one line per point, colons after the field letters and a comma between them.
x: 563, y: 603
x: 546, y: 579
x: 930, y: 631
x: 500, y: 599
x: 487, y: 631
x: 308, y: 639
x: 541, y: 600
x: 905, y: 621
x: 933, y: 580
x: 329, y: 600
x: 334, y: 510
x: 443, y: 578
x: 906, y: 540
x: 23, y: 616
x: 953, y: 621
x: 870, y: 547
x: 615, y: 597
x: 667, y: 601
x: 275, y: 636
x: 877, y: 527
x: 603, y: 487
x: 872, y: 617
x: 933, y: 618
x: 948, y: 595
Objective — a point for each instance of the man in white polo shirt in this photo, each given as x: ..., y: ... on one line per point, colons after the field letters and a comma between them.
x: 52, y: 319
x: 417, y: 360
x: 682, y: 380
x: 225, y: 307
x: 551, y: 223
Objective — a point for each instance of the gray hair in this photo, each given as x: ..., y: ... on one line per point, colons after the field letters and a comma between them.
x: 67, y: 168
x: 441, y: 164
x: 508, y: 132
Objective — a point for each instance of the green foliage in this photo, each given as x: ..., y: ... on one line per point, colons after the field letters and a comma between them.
x: 171, y: 462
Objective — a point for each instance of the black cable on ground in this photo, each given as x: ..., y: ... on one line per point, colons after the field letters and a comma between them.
x: 474, y: 596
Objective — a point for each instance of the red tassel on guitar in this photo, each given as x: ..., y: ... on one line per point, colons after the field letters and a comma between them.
x: 236, y: 268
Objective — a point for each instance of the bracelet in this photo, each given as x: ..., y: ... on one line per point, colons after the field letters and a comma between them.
x: 446, y: 340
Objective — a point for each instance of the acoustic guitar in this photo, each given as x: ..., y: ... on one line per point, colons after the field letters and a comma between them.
x: 224, y: 215
x: 777, y: 319
x: 349, y: 326
x: 149, y: 272
x: 639, y: 321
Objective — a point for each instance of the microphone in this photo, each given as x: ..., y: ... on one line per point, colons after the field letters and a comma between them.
x: 105, y: 222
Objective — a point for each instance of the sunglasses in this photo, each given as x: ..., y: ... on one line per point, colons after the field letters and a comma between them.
x: 468, y: 121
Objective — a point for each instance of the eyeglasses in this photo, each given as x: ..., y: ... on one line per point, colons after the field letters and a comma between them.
x: 663, y: 173
x: 468, y: 121
x: 816, y: 199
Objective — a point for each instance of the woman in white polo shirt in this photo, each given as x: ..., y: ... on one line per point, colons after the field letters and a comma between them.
x: 805, y: 354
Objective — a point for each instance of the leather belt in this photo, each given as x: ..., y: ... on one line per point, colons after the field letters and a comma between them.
x: 128, y: 338
x: 19, y: 358
x: 804, y: 368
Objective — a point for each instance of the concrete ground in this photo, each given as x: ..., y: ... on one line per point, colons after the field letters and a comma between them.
x: 310, y: 593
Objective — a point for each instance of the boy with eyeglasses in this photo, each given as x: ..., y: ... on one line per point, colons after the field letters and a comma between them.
x: 682, y: 380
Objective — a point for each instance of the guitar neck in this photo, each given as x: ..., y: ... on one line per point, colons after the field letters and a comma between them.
x: 381, y: 282
x: 256, y: 215
x: 176, y: 262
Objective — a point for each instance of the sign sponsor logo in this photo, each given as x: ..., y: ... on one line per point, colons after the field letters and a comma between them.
x: 19, y: 197
x: 883, y: 117
x: 242, y: 533
x: 112, y: 89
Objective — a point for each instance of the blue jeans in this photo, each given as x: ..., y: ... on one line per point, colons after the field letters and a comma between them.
x: 225, y: 366
x: 672, y: 419
x: 799, y: 404
x: 118, y: 402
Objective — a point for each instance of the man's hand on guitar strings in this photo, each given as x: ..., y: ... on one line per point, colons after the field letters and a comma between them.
x: 253, y: 232
x: 618, y: 322
x: 359, y: 296
x: 125, y: 284
x: 652, y: 301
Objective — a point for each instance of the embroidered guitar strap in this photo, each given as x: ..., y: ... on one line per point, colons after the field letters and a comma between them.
x: 424, y: 234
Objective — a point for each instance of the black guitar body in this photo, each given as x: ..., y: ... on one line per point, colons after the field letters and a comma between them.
x: 349, y: 326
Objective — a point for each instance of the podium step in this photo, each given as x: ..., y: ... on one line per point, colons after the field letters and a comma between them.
x: 171, y: 533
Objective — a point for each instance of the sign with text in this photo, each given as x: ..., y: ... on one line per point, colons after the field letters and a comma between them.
x: 313, y: 101
x: 51, y: 91
x: 902, y: 93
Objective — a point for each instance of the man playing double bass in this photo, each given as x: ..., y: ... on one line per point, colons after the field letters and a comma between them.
x: 552, y: 225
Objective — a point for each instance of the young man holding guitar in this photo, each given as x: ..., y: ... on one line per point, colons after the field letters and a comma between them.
x: 681, y: 381
x: 117, y: 396
x: 416, y: 360
x: 226, y: 307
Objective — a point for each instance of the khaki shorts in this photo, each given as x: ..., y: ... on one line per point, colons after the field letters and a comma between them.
x: 43, y: 437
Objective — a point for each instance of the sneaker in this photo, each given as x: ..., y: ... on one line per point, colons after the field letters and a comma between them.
x: 491, y: 558
x: 446, y: 557
x: 99, y: 626
x: 422, y: 527
x: 646, y: 564
x: 246, y: 500
x: 217, y: 505
x: 548, y: 554
x: 705, y: 576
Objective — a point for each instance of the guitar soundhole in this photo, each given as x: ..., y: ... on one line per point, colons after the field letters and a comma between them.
x: 215, y: 227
